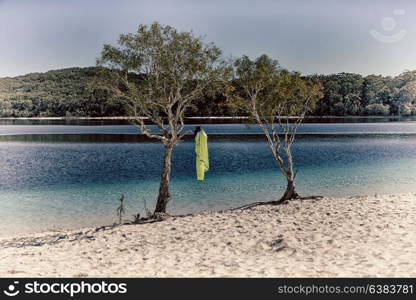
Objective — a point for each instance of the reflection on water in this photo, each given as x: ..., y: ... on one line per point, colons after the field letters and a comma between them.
x: 224, y: 129
x: 196, y: 120
x: 49, y: 185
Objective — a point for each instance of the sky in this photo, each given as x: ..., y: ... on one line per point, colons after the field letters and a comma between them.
x: 309, y: 36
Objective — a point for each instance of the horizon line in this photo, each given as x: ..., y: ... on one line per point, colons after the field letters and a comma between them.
x: 303, y: 74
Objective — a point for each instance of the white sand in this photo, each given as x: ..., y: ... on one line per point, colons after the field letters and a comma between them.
x: 354, y: 237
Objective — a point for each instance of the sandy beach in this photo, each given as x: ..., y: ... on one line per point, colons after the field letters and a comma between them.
x: 331, y: 237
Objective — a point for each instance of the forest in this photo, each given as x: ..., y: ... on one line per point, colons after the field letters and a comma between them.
x: 65, y: 93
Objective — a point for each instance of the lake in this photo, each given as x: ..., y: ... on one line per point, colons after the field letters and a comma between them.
x: 70, y: 176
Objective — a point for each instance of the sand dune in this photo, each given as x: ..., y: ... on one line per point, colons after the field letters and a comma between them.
x: 353, y: 237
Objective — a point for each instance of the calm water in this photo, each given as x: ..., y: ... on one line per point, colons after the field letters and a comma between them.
x: 53, y: 185
x: 323, y: 128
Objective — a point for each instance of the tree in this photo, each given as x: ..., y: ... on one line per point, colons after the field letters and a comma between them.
x: 377, y: 109
x: 277, y: 101
x: 376, y: 90
x: 342, y: 94
x: 159, y: 73
x: 404, y: 94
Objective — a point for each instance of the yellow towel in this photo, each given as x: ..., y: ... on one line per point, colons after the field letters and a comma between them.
x: 201, y: 150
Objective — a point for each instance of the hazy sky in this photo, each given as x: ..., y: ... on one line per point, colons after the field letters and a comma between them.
x: 311, y: 36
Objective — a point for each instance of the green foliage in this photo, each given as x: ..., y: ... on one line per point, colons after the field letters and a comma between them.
x: 265, y: 90
x: 160, y: 74
x: 352, y: 95
x: 377, y: 109
x: 342, y: 94
x: 73, y: 91
x: 56, y: 93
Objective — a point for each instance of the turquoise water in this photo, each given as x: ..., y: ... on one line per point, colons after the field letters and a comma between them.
x: 55, y: 185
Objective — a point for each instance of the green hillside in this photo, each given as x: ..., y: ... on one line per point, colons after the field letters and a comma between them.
x: 56, y: 93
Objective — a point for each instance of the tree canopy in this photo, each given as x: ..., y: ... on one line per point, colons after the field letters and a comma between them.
x: 159, y: 72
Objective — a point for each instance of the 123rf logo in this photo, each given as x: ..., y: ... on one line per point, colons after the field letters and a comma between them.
x: 70, y: 289
x: 389, y: 24
x: 12, y: 290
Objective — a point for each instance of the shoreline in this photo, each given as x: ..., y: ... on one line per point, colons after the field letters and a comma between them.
x: 202, y: 118
x: 363, y: 236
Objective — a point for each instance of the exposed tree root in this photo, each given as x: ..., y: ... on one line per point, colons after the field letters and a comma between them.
x: 275, y: 202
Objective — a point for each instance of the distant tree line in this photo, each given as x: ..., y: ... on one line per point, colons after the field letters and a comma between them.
x: 348, y: 94
x: 58, y: 93
x: 64, y: 93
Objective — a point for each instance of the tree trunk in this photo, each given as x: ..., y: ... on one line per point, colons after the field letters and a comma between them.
x: 164, y: 195
x: 290, y: 192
